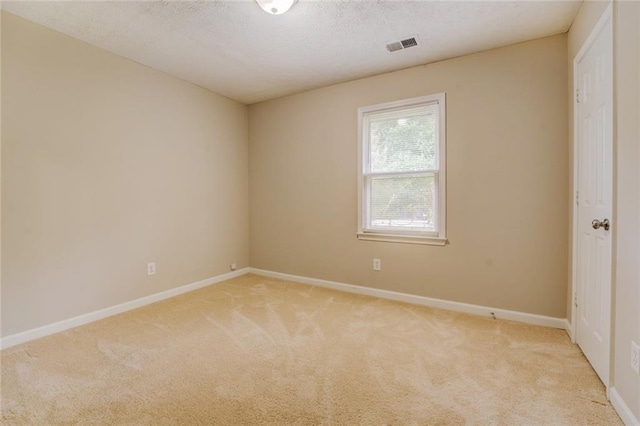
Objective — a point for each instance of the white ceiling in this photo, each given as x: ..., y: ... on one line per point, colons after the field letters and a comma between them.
x: 234, y: 48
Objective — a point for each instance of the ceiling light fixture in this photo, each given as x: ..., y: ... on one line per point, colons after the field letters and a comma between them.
x: 276, y: 7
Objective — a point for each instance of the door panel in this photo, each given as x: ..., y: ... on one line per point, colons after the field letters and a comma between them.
x: 595, y: 172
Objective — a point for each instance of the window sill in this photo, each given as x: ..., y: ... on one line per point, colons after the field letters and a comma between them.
x: 404, y: 239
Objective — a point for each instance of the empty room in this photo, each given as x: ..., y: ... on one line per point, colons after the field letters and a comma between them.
x: 320, y: 212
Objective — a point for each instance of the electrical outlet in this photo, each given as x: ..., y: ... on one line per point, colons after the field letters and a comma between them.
x: 635, y: 357
x: 151, y: 268
x: 377, y: 265
x: 233, y: 267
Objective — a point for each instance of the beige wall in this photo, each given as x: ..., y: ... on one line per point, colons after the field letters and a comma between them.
x: 506, y: 178
x: 627, y: 258
x: 0, y: 174
x: 108, y: 165
x: 626, y: 223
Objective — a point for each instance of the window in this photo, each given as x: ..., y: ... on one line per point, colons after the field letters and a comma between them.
x: 401, y: 175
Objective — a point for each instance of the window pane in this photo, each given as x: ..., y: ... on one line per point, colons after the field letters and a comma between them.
x: 405, y: 141
x: 403, y: 203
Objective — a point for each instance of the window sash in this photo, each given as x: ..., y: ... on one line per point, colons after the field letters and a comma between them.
x: 400, y: 174
x: 370, y: 228
x: 400, y: 112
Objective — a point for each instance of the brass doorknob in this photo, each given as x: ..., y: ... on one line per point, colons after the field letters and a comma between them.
x: 596, y: 224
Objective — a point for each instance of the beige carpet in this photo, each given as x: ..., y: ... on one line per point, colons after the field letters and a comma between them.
x: 255, y: 350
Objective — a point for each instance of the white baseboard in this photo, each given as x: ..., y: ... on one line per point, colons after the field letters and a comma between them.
x: 57, y: 327
x: 25, y: 336
x: 421, y: 300
x: 622, y: 408
x: 568, y: 327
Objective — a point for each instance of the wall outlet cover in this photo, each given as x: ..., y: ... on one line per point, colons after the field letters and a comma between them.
x: 377, y: 265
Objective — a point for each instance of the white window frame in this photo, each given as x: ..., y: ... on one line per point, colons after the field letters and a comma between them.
x: 399, y: 236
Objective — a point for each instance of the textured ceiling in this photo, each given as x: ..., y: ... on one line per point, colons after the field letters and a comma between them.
x: 236, y: 49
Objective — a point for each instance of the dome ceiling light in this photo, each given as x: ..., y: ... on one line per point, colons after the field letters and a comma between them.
x: 276, y: 7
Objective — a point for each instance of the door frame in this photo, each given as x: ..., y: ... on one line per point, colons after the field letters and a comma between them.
x: 606, y: 16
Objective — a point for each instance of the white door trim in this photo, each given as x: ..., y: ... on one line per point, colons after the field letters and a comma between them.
x: 607, y: 16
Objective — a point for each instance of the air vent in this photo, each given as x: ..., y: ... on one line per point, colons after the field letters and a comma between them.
x: 410, y: 42
x: 402, y: 44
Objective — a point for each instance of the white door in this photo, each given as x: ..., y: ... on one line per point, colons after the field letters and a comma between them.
x: 594, y: 126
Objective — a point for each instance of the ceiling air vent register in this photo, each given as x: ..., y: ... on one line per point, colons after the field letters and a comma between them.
x: 402, y: 44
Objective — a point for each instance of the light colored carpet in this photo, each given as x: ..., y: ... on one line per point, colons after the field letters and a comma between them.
x: 256, y: 350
